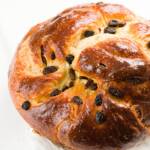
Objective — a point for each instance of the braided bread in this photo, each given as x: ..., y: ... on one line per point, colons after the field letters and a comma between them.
x: 82, y: 79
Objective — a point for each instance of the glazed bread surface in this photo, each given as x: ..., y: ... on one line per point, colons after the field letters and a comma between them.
x: 82, y: 79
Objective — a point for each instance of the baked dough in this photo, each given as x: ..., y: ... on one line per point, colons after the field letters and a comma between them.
x: 82, y: 79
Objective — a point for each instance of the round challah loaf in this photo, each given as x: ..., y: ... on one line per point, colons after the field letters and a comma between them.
x: 82, y: 79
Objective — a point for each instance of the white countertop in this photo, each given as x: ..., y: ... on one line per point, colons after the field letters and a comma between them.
x: 16, y: 18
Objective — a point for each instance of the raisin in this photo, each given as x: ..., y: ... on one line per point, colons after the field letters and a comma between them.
x: 77, y: 100
x: 113, y: 23
x: 110, y: 30
x: 116, y: 23
x: 88, y: 33
x: 115, y: 92
x: 26, y: 105
x: 135, y: 80
x: 91, y: 85
x: 70, y: 58
x: 100, y: 117
x: 53, y: 55
x: 55, y: 92
x: 71, y: 84
x: 83, y: 78
x: 121, y: 24
x: 49, y: 69
x: 42, y: 55
x: 72, y: 74
x: 98, y: 100
x: 148, y: 44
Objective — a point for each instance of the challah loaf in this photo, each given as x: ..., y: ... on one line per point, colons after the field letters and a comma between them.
x: 82, y: 79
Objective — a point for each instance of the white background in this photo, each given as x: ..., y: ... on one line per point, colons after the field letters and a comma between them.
x: 16, y: 17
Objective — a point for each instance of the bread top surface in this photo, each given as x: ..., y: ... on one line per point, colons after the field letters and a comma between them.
x: 82, y: 79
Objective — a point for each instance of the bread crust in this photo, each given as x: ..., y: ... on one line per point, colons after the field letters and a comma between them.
x: 116, y: 66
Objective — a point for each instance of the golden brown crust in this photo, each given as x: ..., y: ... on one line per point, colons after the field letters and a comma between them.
x: 82, y: 79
